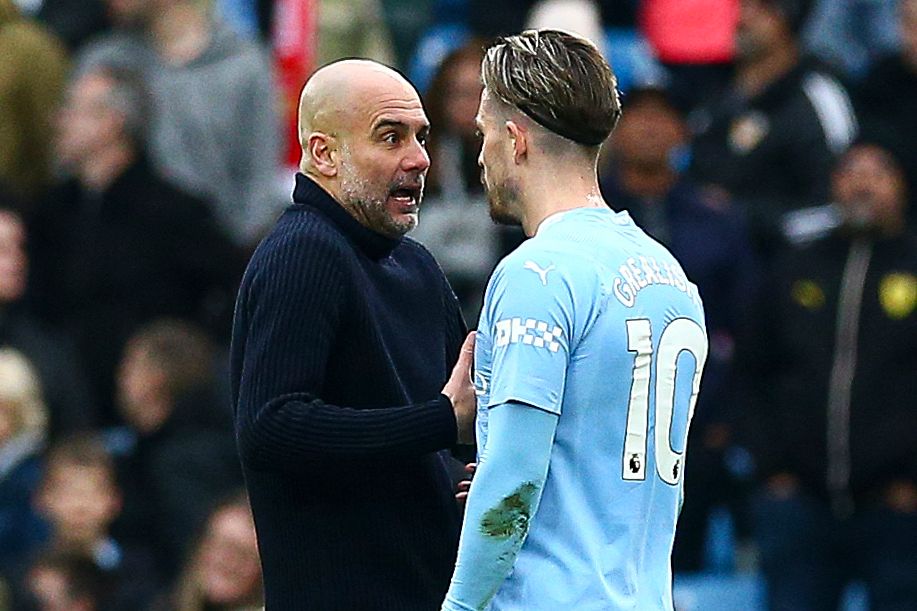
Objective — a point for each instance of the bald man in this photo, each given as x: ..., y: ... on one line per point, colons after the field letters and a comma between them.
x: 345, y: 335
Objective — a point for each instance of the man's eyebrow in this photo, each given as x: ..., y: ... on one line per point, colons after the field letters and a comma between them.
x: 386, y: 123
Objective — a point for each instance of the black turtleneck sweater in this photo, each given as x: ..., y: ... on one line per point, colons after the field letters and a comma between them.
x: 342, y: 341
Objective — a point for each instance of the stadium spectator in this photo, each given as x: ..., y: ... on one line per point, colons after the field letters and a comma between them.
x: 885, y: 101
x: 353, y: 28
x: 829, y: 370
x: 115, y: 245
x: 214, y: 130
x: 706, y: 233
x: 569, y: 506
x: 344, y: 335
x: 65, y: 581
x: 32, y: 77
x: 455, y: 226
x: 62, y: 382
x: 770, y: 139
x: 178, y: 457
x: 23, y: 423
x: 80, y: 498
x: 223, y: 572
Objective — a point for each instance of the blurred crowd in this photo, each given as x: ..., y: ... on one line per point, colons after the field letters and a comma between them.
x: 769, y: 144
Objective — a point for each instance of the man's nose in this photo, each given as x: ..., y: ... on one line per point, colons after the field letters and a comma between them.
x: 417, y: 159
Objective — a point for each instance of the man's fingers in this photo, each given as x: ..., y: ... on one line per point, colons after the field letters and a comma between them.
x: 466, y: 354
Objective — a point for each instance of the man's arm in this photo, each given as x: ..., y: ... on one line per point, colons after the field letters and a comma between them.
x: 284, y: 335
x: 503, y: 501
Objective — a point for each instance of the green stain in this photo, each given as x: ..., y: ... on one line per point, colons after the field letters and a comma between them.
x: 510, y: 518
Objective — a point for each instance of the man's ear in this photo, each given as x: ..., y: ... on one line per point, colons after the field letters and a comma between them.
x: 321, y: 151
x: 518, y: 136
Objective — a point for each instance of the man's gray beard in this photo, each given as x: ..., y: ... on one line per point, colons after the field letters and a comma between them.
x: 354, y: 191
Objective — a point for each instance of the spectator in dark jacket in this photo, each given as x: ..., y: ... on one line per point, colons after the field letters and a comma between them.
x: 62, y: 382
x: 707, y: 234
x: 177, y: 456
x: 771, y: 138
x: 886, y: 99
x: 830, y: 373
x: 117, y: 246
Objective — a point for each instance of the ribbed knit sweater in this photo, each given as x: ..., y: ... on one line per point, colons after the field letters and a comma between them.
x: 342, y: 341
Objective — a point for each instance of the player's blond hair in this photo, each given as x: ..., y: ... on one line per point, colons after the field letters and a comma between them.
x: 560, y: 80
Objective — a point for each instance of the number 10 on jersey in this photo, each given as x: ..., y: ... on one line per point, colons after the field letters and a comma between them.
x: 680, y: 335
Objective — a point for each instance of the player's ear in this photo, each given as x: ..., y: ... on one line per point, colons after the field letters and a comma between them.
x: 518, y: 137
x: 320, y: 152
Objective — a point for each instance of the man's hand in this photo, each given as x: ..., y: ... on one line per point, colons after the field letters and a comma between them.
x: 463, y: 486
x: 460, y: 391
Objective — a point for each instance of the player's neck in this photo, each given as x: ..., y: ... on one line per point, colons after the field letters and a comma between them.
x: 559, y: 193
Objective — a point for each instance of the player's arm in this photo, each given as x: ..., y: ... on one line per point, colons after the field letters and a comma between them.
x: 503, y: 500
x: 532, y: 317
x: 290, y: 313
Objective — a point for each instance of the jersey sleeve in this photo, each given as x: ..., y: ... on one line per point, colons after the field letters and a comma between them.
x: 530, y: 313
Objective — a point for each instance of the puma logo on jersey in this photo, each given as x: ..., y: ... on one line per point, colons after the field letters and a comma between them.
x: 542, y: 273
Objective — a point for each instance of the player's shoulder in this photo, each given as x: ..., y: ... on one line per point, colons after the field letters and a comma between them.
x: 545, y: 266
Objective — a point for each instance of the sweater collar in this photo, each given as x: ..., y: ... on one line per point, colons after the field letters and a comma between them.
x: 375, y: 245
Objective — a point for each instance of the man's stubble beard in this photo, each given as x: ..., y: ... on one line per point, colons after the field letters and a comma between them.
x: 504, y: 201
x: 370, y: 210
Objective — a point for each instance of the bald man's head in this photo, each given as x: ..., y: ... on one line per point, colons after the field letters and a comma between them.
x: 363, y: 129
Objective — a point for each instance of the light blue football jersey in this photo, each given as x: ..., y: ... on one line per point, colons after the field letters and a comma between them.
x: 593, y: 320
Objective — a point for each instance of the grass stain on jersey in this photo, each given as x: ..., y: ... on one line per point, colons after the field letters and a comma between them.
x: 510, y: 518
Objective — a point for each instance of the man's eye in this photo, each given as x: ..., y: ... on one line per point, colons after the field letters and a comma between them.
x: 422, y: 140
x: 478, y: 134
x: 391, y: 138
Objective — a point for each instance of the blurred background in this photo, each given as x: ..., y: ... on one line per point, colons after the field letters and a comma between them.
x: 147, y: 145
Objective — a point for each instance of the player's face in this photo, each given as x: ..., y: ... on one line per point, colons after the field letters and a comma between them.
x: 869, y: 188
x: 495, y: 161
x: 384, y: 161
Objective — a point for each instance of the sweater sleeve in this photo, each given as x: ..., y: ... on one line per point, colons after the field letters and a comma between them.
x: 285, y: 322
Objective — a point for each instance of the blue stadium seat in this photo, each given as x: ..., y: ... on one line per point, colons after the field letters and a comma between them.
x: 432, y: 49
x: 745, y: 591
x: 632, y: 58
x: 719, y: 592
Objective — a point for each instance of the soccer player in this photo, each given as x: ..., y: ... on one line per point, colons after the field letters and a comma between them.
x: 588, y: 360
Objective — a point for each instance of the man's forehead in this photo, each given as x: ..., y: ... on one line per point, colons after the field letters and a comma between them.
x: 409, y: 113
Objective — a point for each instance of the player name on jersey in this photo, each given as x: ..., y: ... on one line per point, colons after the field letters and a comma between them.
x: 637, y: 274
